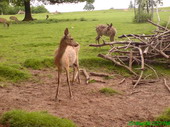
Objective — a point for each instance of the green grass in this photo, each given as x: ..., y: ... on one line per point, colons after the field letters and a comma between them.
x: 108, y: 91
x: 12, y: 74
x: 29, y: 43
x: 19, y: 118
x: 38, y: 63
x: 165, y: 116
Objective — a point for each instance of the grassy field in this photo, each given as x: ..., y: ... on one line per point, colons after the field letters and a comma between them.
x: 38, y: 40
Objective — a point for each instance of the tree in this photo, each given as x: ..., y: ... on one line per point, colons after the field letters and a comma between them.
x: 144, y: 9
x: 89, y: 6
x: 131, y: 5
x: 3, y: 7
x: 26, y: 3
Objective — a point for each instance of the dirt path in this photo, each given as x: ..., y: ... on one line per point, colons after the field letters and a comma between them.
x: 88, y: 108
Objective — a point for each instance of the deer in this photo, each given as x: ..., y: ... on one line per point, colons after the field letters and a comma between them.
x: 47, y: 16
x: 65, y: 57
x: 14, y: 18
x: 4, y: 21
x: 106, y: 30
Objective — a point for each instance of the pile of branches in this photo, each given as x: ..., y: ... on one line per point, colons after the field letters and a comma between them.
x: 141, y: 49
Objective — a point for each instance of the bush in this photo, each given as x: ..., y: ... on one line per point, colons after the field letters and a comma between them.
x: 13, y: 74
x: 10, y: 10
x: 165, y: 116
x: 39, y: 9
x: 141, y: 18
x: 19, y: 118
x: 39, y: 63
x: 109, y: 91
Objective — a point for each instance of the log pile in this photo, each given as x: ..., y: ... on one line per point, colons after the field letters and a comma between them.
x: 141, y: 49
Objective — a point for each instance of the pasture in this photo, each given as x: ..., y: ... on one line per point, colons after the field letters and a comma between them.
x: 28, y: 77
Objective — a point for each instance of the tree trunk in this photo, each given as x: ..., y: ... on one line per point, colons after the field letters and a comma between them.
x: 28, y: 16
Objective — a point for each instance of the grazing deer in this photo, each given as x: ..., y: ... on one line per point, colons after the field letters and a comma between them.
x: 47, y: 16
x: 4, y: 21
x: 14, y: 18
x: 106, y: 30
x: 66, y: 56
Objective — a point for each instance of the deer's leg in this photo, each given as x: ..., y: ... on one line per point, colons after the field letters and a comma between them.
x: 78, y: 73
x: 68, y: 81
x: 98, y: 38
x: 74, y: 75
x: 111, y: 38
x: 58, y: 85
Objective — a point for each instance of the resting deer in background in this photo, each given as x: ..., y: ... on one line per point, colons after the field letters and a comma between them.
x: 14, y: 18
x: 4, y: 21
x: 106, y: 30
x: 66, y: 56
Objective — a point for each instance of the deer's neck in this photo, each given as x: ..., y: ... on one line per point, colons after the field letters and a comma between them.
x: 61, y: 51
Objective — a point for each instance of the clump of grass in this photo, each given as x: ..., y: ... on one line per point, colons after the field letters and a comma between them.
x: 39, y: 63
x: 165, y: 116
x: 83, y: 19
x: 13, y: 74
x: 109, y: 91
x: 92, y: 81
x: 19, y: 118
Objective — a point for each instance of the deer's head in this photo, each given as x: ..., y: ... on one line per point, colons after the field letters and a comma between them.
x: 109, y: 26
x: 68, y: 39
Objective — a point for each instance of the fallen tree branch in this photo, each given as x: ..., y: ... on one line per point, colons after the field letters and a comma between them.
x: 165, y: 83
x: 117, y: 63
x: 164, y: 28
x: 86, y: 75
x: 98, y: 74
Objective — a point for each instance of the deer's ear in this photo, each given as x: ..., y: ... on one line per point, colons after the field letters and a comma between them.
x: 66, y: 32
x: 111, y: 25
x: 108, y: 24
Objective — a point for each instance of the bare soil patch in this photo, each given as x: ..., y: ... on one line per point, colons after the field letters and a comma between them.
x: 89, y: 107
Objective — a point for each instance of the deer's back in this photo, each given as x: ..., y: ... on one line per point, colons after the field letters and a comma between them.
x: 3, y: 20
x: 13, y: 18
x: 102, y: 30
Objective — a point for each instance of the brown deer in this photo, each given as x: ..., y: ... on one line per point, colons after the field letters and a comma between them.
x: 106, y: 30
x: 14, y: 18
x: 4, y: 21
x: 66, y: 56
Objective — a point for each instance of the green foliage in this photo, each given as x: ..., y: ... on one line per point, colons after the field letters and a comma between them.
x: 88, y: 6
x: 68, y: 1
x: 19, y: 118
x: 13, y: 74
x: 38, y: 63
x: 3, y: 7
x: 165, y: 116
x: 39, y: 9
x: 109, y: 91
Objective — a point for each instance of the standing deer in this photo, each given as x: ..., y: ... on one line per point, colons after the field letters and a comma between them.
x: 14, y: 18
x: 4, y: 21
x: 106, y: 30
x: 66, y: 56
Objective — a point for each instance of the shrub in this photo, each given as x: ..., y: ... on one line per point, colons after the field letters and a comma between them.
x: 165, y: 116
x: 141, y: 18
x: 39, y: 63
x: 109, y: 91
x: 13, y: 74
x: 19, y: 118
x: 39, y: 9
